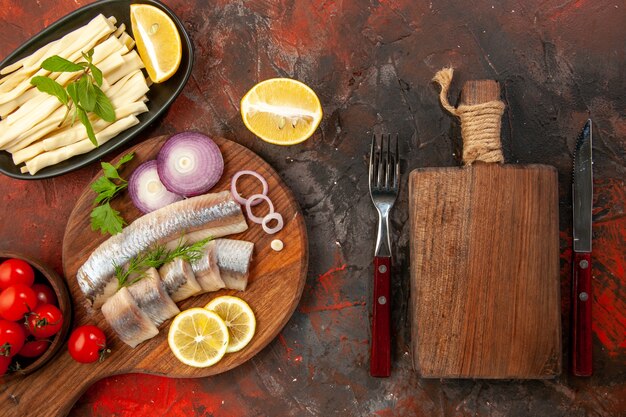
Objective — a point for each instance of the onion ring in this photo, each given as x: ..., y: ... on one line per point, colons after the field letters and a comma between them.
x: 275, y: 229
x: 250, y: 202
x: 235, y: 193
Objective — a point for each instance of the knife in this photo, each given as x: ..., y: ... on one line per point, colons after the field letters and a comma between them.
x: 582, y: 196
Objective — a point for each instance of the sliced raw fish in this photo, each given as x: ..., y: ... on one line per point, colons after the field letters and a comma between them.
x: 206, y: 270
x: 216, y: 214
x: 131, y: 324
x: 152, y: 298
x: 233, y: 260
x: 179, y: 280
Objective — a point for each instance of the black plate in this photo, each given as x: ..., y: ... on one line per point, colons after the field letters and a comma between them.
x: 160, y: 95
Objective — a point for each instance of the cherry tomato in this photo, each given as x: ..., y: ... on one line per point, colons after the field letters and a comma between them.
x: 12, y: 338
x: 45, y: 321
x: 16, y: 301
x: 5, y: 361
x: 16, y: 271
x: 45, y: 294
x: 34, y: 348
x: 87, y: 344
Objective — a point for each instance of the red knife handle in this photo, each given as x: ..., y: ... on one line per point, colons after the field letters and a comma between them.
x: 380, y: 358
x: 581, y: 326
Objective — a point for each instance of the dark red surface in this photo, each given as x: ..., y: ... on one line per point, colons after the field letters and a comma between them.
x: 380, y: 354
x: 558, y: 62
x: 582, y: 354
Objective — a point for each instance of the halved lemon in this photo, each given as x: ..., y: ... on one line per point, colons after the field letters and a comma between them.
x: 281, y: 111
x: 198, y: 337
x: 158, y: 41
x: 239, y: 320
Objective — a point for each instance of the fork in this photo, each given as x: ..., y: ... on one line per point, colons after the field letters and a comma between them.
x: 384, y: 177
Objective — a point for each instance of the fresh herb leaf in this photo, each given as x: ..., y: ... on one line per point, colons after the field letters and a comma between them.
x: 96, y: 73
x: 106, y: 219
x: 156, y: 258
x: 84, y: 119
x: 72, y: 91
x: 88, y: 56
x: 57, y: 64
x: 110, y: 171
x: 103, y: 107
x: 48, y: 85
x: 105, y: 189
x: 86, y: 93
x: 124, y: 159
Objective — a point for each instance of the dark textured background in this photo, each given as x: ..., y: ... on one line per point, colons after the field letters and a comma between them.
x: 558, y: 62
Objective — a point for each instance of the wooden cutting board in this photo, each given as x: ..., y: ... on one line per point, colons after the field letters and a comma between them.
x: 485, y: 297
x: 274, y: 289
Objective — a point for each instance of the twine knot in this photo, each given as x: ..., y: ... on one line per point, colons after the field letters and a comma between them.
x: 480, y: 124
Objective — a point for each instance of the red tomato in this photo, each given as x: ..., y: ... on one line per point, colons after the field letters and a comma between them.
x: 45, y: 321
x: 16, y: 301
x: 87, y: 344
x: 34, y: 348
x: 5, y: 361
x: 12, y: 338
x: 16, y: 271
x: 45, y: 294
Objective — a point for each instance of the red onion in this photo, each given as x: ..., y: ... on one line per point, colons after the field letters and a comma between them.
x: 189, y: 164
x: 270, y: 217
x: 251, y: 201
x: 235, y: 193
x: 147, y: 191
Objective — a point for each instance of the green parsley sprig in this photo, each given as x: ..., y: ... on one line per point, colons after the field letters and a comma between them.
x: 156, y: 258
x: 104, y: 217
x: 83, y: 93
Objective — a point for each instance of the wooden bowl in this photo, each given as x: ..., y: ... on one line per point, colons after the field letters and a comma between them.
x: 44, y: 275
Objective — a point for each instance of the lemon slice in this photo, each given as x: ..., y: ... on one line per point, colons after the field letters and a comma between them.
x: 281, y: 111
x: 198, y: 337
x: 239, y: 320
x: 157, y: 39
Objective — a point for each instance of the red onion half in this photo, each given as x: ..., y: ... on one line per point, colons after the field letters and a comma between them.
x: 190, y: 164
x: 147, y: 191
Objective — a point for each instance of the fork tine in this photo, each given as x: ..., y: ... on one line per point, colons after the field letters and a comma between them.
x: 379, y: 162
x: 386, y: 162
x: 372, y: 168
x: 397, y: 167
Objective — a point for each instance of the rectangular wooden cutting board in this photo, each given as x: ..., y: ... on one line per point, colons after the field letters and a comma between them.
x: 485, y: 299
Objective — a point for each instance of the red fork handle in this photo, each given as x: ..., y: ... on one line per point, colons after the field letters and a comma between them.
x: 581, y: 315
x: 380, y: 357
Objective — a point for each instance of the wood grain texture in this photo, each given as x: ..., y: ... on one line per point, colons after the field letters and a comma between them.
x: 485, y: 272
x: 274, y: 289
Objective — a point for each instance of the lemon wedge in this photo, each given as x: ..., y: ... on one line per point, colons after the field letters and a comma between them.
x: 281, y: 111
x: 198, y: 337
x: 239, y: 320
x: 158, y: 41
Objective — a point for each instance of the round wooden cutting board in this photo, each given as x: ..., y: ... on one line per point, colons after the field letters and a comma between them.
x: 274, y: 289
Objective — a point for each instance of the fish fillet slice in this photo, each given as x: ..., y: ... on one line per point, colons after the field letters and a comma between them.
x: 132, y: 325
x: 152, y: 298
x: 216, y: 213
x: 206, y: 271
x: 178, y: 280
x: 233, y: 260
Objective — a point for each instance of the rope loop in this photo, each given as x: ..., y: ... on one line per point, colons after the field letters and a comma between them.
x: 480, y: 124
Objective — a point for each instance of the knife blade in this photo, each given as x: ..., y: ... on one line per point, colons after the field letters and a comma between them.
x: 582, y: 202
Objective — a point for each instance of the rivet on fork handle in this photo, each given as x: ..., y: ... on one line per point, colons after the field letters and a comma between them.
x: 380, y: 360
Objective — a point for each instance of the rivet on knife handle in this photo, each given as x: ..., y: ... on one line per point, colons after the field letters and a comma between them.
x: 380, y: 360
x: 581, y: 326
